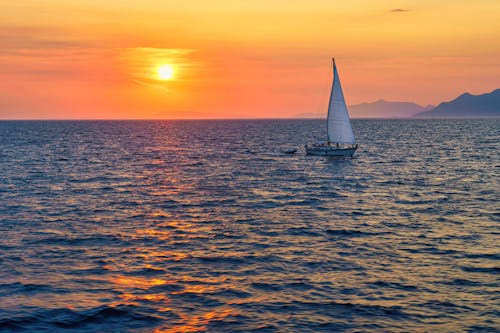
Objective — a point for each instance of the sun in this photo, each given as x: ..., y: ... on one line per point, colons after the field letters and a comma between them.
x: 165, y: 72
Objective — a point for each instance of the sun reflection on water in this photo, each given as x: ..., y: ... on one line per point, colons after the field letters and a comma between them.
x: 158, y: 234
x: 135, y: 290
x: 138, y: 282
x: 197, y: 323
x: 129, y: 297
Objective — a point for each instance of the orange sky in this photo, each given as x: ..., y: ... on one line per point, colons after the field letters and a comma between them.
x: 238, y: 58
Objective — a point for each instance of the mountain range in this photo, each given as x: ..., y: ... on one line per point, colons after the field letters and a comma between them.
x: 386, y: 109
x: 467, y: 106
x: 464, y: 106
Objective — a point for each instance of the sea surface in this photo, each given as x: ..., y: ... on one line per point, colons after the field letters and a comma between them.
x: 205, y: 226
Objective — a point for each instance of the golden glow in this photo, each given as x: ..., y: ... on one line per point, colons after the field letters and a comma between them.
x: 165, y: 72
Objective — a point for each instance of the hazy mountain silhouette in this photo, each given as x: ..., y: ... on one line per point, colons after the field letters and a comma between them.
x: 386, y: 109
x: 464, y: 106
x: 378, y: 109
x: 467, y: 105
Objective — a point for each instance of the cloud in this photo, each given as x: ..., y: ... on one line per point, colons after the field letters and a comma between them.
x: 153, y: 85
x: 399, y: 10
x: 16, y: 39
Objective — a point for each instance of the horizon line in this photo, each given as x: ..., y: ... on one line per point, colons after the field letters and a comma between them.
x: 229, y: 119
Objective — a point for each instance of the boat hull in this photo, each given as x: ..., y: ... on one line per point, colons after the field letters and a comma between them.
x: 330, y: 151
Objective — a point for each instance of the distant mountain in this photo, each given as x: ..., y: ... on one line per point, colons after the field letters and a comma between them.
x: 386, y: 109
x: 467, y: 106
x: 378, y: 109
x: 311, y: 115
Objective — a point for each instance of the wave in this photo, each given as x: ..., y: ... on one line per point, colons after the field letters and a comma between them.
x: 19, y: 288
x: 351, y: 233
x: 393, y: 285
x: 96, y: 240
x: 476, y: 269
x: 335, y: 309
x: 42, y: 319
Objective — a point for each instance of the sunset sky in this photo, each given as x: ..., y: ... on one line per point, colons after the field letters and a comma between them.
x: 95, y: 59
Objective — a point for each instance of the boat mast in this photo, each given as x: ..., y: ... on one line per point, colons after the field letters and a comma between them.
x: 330, y: 102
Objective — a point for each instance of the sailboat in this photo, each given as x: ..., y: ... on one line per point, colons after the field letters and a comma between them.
x: 340, y: 141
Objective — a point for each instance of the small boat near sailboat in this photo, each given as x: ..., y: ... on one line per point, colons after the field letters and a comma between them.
x: 289, y: 151
x: 340, y: 141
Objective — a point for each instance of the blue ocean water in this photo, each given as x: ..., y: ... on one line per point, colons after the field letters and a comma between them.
x: 204, y: 226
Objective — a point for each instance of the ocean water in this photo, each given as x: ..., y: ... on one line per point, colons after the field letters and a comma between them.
x: 204, y: 226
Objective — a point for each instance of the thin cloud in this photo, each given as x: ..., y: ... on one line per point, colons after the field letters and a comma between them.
x: 152, y: 85
x: 16, y: 39
x: 399, y: 10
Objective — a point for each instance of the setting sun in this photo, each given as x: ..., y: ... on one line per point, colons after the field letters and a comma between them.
x: 165, y: 72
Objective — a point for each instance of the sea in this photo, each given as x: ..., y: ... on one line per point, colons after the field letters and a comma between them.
x: 207, y: 226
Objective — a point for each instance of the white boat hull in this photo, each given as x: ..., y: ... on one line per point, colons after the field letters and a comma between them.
x: 330, y: 151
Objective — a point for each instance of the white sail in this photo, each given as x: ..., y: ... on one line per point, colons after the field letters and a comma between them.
x: 338, y: 124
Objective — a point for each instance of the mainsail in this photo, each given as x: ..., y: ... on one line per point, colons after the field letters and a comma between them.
x: 338, y: 124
